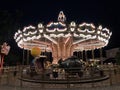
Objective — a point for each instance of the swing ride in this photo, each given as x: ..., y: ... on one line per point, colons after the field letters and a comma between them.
x: 62, y: 39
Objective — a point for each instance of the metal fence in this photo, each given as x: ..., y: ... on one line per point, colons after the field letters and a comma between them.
x: 11, y: 75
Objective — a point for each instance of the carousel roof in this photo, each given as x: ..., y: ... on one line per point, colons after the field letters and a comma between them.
x: 85, y: 36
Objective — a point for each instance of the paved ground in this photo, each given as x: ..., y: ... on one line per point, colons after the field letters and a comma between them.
x: 8, y: 82
x: 4, y: 87
x: 15, y: 85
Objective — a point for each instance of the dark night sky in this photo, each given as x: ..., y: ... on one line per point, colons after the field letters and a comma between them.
x: 103, y: 12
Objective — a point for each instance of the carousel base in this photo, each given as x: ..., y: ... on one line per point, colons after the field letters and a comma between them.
x: 65, y: 81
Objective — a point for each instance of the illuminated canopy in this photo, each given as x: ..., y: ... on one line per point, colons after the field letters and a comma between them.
x: 61, y: 37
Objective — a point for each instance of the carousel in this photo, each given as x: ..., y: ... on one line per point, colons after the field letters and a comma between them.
x: 62, y: 39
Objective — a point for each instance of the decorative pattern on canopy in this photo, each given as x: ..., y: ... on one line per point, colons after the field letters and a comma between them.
x: 62, y: 38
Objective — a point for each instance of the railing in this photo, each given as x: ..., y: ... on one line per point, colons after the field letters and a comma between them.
x: 8, y: 76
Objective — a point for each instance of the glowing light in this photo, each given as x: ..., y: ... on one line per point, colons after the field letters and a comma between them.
x: 61, y: 17
x: 62, y: 38
x: 49, y: 38
x: 73, y: 24
x: 35, y: 51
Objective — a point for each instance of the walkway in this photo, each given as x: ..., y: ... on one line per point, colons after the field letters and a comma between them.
x: 4, y: 87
